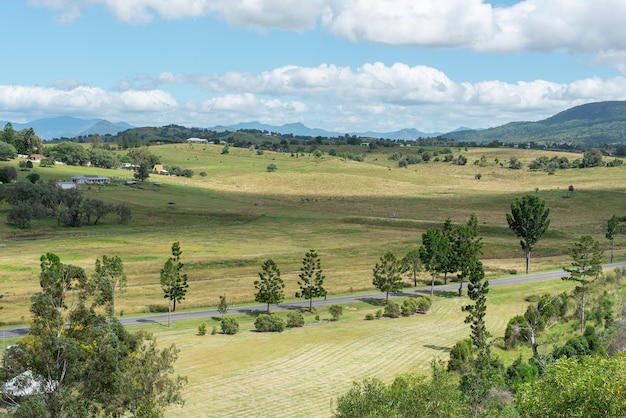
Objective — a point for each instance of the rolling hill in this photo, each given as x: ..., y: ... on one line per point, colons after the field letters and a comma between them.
x: 592, y: 124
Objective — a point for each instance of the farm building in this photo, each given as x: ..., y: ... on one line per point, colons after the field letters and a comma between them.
x: 90, y: 179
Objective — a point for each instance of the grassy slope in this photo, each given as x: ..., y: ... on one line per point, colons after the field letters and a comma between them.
x: 237, y: 216
x: 299, y: 373
x: 229, y: 222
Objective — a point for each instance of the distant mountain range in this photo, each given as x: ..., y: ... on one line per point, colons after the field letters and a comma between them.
x: 591, y: 124
x: 69, y: 127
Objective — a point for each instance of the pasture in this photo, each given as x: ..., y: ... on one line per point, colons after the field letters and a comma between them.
x: 351, y: 212
x: 238, y: 215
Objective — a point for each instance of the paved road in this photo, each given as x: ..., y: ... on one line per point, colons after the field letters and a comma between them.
x: 162, y: 318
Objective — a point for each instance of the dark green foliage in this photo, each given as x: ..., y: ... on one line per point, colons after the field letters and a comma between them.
x: 529, y: 219
x: 269, y: 286
x: 424, y: 303
x: 516, y: 331
x: 409, y: 307
x: 295, y: 319
x: 590, y: 387
x: 335, y: 311
x: 271, y: 168
x: 230, y: 326
x: 408, y: 396
x: 33, y: 177
x: 586, y: 344
x: 392, y: 310
x: 435, y: 253
x: 142, y: 171
x: 7, y: 151
x: 123, y: 212
x: 519, y: 373
x: 8, y: 174
x: 269, y: 323
x: 69, y: 153
x: 592, y: 158
x: 388, y: 274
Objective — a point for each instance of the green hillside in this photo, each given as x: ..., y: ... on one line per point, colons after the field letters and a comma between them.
x: 588, y: 125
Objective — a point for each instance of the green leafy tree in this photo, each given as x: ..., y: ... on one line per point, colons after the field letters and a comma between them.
x: 311, y: 278
x: 433, y: 253
x: 592, y: 158
x: 592, y: 386
x: 466, y: 246
x: 586, y: 266
x: 412, y: 264
x: 8, y: 174
x: 142, y: 171
x: 613, y: 228
x: 96, y: 209
x: 388, y: 274
x: 112, y: 279
x: 7, y: 151
x: 269, y: 286
x: 529, y: 219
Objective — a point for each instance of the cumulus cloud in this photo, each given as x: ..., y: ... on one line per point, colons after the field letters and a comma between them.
x: 577, y: 26
x: 373, y: 96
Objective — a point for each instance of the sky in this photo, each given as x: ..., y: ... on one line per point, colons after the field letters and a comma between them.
x: 339, y: 65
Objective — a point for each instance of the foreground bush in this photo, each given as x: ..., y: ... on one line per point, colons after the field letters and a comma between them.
x: 269, y: 323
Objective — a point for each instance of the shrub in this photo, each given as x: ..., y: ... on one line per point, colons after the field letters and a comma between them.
x: 8, y: 174
x: 424, y: 303
x: 295, y: 319
x: 369, y: 317
x: 157, y: 308
x: 202, y: 328
x: 271, y: 168
x: 392, y: 310
x: 336, y: 311
x: 460, y: 355
x: 269, y: 323
x: 409, y: 307
x: 230, y: 326
x: 379, y: 313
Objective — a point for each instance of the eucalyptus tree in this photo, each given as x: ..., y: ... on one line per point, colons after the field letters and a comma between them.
x: 529, y: 219
x: 613, y: 228
x: 412, y: 264
x: 433, y: 253
x: 112, y: 279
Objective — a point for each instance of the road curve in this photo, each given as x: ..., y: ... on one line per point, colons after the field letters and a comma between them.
x: 178, y: 316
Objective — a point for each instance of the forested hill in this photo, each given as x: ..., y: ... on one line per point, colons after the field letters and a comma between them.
x: 588, y: 125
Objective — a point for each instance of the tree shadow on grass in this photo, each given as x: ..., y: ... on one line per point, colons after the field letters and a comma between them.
x: 373, y: 301
x: 437, y: 347
x: 447, y: 294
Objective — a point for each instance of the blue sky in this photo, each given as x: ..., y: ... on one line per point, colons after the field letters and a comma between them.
x: 340, y: 65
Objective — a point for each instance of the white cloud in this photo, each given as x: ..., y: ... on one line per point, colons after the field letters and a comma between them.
x: 371, y: 97
x: 578, y: 26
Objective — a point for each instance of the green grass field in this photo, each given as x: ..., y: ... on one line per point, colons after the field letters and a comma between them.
x: 239, y: 215
x: 299, y: 373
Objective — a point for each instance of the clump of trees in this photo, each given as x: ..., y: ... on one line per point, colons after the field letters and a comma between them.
x: 30, y: 201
